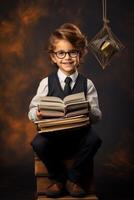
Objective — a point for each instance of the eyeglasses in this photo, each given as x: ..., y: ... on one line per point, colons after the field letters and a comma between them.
x: 62, y: 54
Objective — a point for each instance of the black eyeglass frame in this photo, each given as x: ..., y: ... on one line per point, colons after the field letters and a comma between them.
x: 70, y: 53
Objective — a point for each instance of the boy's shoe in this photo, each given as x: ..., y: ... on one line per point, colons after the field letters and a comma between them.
x: 54, y: 190
x: 74, y: 189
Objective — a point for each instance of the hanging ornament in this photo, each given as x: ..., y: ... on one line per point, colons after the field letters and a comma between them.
x: 105, y: 44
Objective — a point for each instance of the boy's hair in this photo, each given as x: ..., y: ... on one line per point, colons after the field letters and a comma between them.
x: 71, y: 33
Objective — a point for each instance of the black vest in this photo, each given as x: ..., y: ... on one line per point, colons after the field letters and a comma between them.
x: 54, y: 87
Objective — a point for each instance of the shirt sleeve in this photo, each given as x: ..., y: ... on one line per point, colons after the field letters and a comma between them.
x: 92, y: 96
x: 41, y: 91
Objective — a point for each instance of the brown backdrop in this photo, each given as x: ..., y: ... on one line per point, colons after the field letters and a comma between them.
x: 24, y: 30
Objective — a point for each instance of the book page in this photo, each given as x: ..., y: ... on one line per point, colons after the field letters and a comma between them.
x: 48, y: 125
x: 61, y: 119
x: 64, y: 121
x: 51, y: 113
x: 83, y: 111
x: 50, y: 99
x: 76, y: 106
x: 66, y: 126
x: 77, y: 97
x: 50, y: 103
x: 51, y: 106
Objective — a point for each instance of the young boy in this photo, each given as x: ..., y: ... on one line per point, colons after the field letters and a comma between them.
x: 67, y: 47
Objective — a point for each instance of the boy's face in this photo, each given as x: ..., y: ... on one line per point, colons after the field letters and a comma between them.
x: 67, y: 62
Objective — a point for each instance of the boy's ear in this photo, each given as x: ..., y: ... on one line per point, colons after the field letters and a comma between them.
x: 52, y: 56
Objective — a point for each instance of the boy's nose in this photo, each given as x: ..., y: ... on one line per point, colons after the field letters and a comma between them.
x: 67, y: 55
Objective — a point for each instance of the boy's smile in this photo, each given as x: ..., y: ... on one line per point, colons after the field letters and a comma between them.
x: 65, y: 56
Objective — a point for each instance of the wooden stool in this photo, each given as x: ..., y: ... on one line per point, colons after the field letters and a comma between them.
x: 42, y: 182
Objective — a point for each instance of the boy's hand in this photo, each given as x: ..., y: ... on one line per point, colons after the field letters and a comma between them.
x: 39, y: 115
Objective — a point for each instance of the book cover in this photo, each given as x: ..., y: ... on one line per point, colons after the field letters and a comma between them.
x: 48, y: 125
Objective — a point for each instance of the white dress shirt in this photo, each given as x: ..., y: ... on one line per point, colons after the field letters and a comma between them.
x: 91, y: 96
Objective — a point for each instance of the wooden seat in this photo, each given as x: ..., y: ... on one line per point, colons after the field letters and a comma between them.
x: 42, y: 182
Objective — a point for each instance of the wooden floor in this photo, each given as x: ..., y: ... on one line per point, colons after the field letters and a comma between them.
x: 89, y: 197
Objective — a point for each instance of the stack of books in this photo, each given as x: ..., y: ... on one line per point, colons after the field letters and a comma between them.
x: 58, y: 114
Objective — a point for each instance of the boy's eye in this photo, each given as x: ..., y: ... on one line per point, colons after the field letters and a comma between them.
x: 73, y: 53
x: 60, y: 53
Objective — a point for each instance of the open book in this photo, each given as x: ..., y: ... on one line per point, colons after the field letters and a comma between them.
x: 57, y: 124
x: 71, y: 105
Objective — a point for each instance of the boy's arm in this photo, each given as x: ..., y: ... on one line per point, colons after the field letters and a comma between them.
x: 92, y: 96
x: 42, y: 90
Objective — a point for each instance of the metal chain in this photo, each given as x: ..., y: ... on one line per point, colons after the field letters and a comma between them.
x: 104, y: 7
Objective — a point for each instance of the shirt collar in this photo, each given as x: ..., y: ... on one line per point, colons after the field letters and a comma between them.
x: 62, y: 76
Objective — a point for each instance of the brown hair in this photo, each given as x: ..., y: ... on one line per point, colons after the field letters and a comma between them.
x: 71, y: 33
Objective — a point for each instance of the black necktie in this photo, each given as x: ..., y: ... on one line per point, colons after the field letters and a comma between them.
x: 67, y: 88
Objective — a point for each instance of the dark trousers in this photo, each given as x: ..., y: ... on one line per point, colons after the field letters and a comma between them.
x: 52, y: 148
